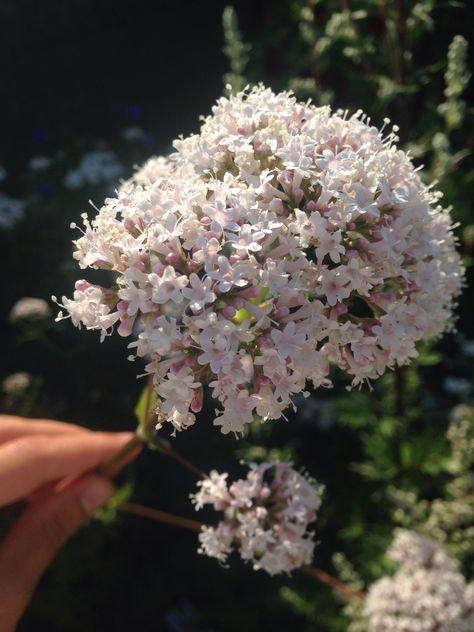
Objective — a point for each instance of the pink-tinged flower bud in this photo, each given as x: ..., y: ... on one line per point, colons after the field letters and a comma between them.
x: 123, y: 306
x: 282, y: 312
x: 82, y: 285
x: 298, y: 195
x: 126, y: 325
x: 277, y: 206
x: 261, y: 513
x: 311, y: 206
x: 205, y: 221
x: 238, y: 303
x: 352, y: 254
x: 187, y: 341
x: 252, y: 292
x: 172, y: 258
x: 229, y: 311
x: 158, y: 269
x: 341, y: 308
x: 197, y: 401
x: 266, y: 342
x: 129, y: 224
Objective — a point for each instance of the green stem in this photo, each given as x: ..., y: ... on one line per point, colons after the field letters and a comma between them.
x: 129, y: 447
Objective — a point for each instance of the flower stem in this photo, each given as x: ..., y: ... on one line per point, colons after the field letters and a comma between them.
x: 179, y: 458
x: 160, y: 516
x: 331, y: 581
x: 106, y: 466
x: 194, y: 525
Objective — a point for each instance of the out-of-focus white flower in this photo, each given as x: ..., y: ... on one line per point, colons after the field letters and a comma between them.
x: 286, y: 238
x: 16, y: 383
x: 457, y: 386
x: 28, y: 307
x: 266, y: 517
x: 426, y: 594
x: 11, y: 211
x: 39, y: 163
x: 95, y: 167
x: 133, y: 133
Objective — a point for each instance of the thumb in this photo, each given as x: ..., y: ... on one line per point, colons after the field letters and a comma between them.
x: 37, y: 536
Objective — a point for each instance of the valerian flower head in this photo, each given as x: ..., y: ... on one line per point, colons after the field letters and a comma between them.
x: 266, y: 516
x: 426, y: 593
x: 28, y: 307
x: 281, y: 239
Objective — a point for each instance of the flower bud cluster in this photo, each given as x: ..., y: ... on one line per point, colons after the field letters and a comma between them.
x: 266, y: 517
x: 425, y: 594
x: 281, y: 239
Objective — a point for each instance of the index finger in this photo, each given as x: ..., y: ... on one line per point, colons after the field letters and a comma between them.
x: 12, y: 427
x: 30, y: 462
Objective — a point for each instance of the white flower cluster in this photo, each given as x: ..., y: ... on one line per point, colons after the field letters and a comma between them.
x: 280, y: 239
x: 28, y: 307
x: 266, y: 516
x: 426, y: 594
x: 11, y: 211
x: 94, y: 167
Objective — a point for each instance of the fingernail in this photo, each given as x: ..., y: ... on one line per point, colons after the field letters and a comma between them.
x: 95, y: 493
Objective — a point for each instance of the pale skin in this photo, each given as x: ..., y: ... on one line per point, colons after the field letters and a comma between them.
x: 53, y: 466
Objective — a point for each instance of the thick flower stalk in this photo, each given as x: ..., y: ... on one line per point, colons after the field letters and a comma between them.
x: 266, y: 517
x: 426, y: 594
x: 281, y: 239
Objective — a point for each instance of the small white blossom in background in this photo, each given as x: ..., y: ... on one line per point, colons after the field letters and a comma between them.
x: 11, y: 211
x: 266, y: 517
x: 133, y: 133
x: 28, y: 307
x: 39, y: 163
x: 95, y: 167
x: 281, y: 239
x: 16, y: 383
x: 426, y: 594
x: 457, y: 386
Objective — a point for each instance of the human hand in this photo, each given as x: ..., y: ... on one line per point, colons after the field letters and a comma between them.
x: 51, y: 465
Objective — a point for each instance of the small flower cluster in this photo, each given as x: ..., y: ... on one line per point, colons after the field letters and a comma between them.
x: 11, y: 211
x: 95, y: 167
x: 425, y: 594
x: 280, y: 240
x: 266, y: 516
x: 28, y: 307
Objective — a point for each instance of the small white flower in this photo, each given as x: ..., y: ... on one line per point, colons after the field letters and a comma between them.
x: 200, y: 293
x: 168, y: 286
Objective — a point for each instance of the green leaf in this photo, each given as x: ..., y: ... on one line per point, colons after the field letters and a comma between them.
x: 146, y: 406
x: 108, y: 513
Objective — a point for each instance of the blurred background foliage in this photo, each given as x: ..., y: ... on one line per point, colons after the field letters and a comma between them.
x: 89, y: 89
